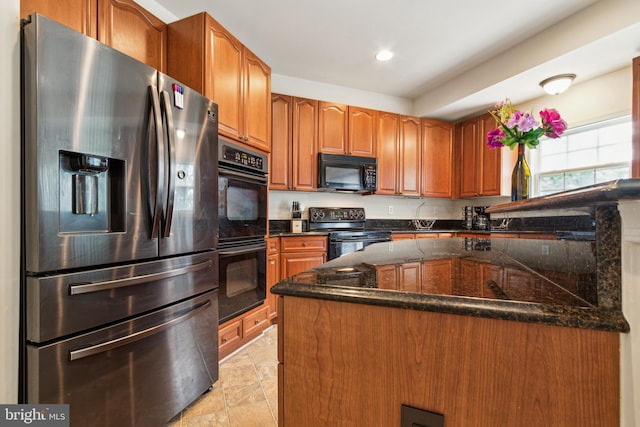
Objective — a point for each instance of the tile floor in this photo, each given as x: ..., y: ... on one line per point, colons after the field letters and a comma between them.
x: 245, y: 395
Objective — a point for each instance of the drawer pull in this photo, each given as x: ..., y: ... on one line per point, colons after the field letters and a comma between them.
x: 83, y: 288
x: 130, y: 339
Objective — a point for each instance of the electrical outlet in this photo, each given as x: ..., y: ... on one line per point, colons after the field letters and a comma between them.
x: 545, y: 249
x: 390, y: 210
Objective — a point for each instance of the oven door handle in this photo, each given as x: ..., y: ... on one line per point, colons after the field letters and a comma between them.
x: 113, y: 344
x: 83, y: 288
x: 243, y: 250
x: 246, y: 176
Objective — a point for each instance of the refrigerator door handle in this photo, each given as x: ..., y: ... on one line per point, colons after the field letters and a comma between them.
x: 167, y: 114
x: 155, y: 157
x: 84, y: 288
x: 110, y: 345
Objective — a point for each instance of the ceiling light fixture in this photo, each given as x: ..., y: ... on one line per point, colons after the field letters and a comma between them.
x: 557, y: 84
x: 384, y: 55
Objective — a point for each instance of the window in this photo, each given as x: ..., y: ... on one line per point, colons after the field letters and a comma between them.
x: 584, y: 156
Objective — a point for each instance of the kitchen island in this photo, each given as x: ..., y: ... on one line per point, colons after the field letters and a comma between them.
x: 484, y: 332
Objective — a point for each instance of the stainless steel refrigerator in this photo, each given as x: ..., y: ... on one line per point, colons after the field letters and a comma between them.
x: 119, y: 296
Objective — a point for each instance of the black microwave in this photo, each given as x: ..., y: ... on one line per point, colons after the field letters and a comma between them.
x: 347, y: 173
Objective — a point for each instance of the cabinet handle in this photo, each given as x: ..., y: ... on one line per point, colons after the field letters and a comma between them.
x: 272, y: 261
x: 223, y: 340
x: 304, y: 244
x: 255, y: 322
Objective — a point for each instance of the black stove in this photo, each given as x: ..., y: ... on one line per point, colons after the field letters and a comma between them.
x: 347, y: 229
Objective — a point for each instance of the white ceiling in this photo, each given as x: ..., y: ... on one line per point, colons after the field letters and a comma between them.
x: 452, y: 58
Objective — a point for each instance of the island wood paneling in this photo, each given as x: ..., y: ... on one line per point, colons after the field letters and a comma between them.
x: 346, y: 364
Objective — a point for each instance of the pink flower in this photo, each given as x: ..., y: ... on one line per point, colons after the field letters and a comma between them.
x: 524, y: 122
x: 494, y: 138
x: 553, y: 124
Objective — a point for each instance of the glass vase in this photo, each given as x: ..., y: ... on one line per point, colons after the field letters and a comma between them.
x: 521, y: 177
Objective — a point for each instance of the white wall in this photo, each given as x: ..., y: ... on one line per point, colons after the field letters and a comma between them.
x: 605, y: 97
x: 10, y: 195
x: 286, y: 85
x: 376, y: 206
x: 630, y: 343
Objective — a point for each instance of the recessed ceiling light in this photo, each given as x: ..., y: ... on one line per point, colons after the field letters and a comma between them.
x: 384, y: 55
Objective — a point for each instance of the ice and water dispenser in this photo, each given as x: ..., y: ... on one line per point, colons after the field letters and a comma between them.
x: 91, y: 193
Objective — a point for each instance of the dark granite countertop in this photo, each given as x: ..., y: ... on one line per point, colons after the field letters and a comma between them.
x: 531, y: 280
x: 605, y: 193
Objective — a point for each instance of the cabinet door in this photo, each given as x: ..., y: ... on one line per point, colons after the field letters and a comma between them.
x: 491, y: 159
x: 362, y: 131
x: 305, y: 134
x: 437, y: 276
x: 409, y: 277
x: 80, y: 15
x: 410, y: 156
x: 131, y: 29
x: 273, y: 277
x: 332, y: 127
x: 437, y: 159
x: 256, y: 116
x: 281, y: 139
x: 223, y: 82
x: 387, y: 277
x: 388, y: 144
x: 295, y: 263
x: 470, y: 280
x: 469, y: 159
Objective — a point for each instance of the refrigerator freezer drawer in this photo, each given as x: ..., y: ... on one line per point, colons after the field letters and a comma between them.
x: 65, y: 304
x: 140, y: 372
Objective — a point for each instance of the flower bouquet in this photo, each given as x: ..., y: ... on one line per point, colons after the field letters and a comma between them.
x: 518, y: 129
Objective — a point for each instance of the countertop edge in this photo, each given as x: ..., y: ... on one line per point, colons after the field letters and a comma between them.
x: 604, y: 193
x: 575, y: 317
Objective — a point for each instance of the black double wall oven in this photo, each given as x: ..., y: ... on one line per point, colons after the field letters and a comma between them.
x: 242, y: 225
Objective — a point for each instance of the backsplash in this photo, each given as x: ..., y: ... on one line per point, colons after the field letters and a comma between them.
x: 543, y: 224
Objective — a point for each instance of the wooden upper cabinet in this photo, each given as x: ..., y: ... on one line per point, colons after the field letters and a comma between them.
x: 388, y: 144
x: 437, y: 159
x: 345, y: 129
x: 491, y: 159
x: 223, y: 77
x: 410, y: 156
x: 79, y: 15
x: 480, y: 166
x: 469, y: 158
x: 209, y: 59
x: 131, y: 29
x: 305, y: 138
x: 362, y: 132
x: 333, y: 125
x: 281, y: 142
x: 257, y: 102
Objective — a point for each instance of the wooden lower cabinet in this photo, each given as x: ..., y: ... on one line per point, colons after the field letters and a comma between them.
x: 239, y: 331
x: 411, y: 236
x: 273, y: 274
x: 298, y: 254
x: 356, y: 364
